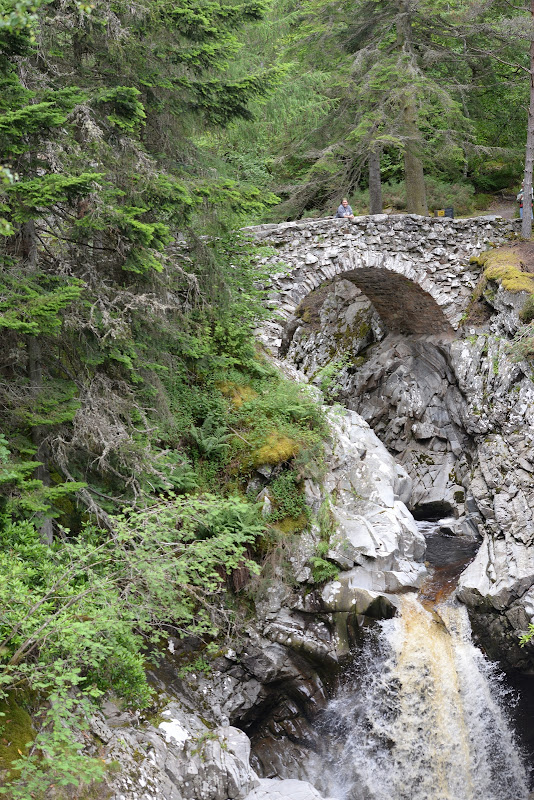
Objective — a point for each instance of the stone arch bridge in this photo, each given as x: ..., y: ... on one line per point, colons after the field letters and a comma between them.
x: 415, y: 270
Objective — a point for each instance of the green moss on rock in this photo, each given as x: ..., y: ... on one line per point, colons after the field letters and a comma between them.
x: 503, y: 264
x: 16, y: 732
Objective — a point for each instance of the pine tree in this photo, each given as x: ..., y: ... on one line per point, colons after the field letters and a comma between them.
x: 394, y: 71
x: 98, y: 116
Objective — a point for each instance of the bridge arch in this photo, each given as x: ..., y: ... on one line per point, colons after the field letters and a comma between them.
x: 404, y: 297
x: 416, y: 271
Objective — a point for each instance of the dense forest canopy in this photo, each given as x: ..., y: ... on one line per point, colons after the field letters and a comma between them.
x: 135, y: 140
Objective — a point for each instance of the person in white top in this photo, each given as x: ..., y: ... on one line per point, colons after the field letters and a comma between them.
x: 345, y: 210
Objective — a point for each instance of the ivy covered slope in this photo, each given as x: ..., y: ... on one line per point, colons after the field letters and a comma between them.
x: 133, y: 405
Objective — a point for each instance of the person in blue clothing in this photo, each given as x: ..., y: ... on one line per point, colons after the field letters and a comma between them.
x: 345, y: 210
x: 520, y: 200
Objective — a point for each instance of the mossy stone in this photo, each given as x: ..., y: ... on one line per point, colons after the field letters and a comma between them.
x: 16, y: 732
x: 277, y: 449
x: 504, y: 265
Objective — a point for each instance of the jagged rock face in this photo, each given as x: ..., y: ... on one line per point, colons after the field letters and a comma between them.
x: 284, y: 666
x: 288, y: 662
x: 459, y: 417
x: 182, y: 759
x: 376, y: 541
x: 407, y: 391
x: 178, y: 758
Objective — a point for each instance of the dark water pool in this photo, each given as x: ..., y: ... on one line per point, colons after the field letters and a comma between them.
x: 446, y: 556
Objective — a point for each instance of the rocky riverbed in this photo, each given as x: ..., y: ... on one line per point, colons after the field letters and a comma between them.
x: 260, y: 698
x: 459, y: 417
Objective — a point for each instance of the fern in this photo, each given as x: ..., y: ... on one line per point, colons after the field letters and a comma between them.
x: 211, y: 439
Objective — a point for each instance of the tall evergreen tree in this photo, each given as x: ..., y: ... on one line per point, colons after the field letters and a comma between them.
x: 98, y: 115
x: 395, y: 74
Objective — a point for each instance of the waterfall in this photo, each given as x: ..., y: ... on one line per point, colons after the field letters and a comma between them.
x: 421, y: 717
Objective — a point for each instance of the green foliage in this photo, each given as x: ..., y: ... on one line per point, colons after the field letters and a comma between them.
x: 326, y: 522
x: 323, y: 570
x: 440, y: 194
x: 54, y: 760
x: 276, y: 425
x: 288, y: 497
x: 172, y: 472
x: 126, y: 110
x: 522, y: 345
x: 16, y: 730
x: 528, y: 636
x: 329, y: 374
x: 30, y: 197
x: 199, y: 664
x: 125, y: 308
x: 84, y: 608
x: 211, y: 439
x: 34, y: 304
x: 23, y: 494
x: 526, y: 314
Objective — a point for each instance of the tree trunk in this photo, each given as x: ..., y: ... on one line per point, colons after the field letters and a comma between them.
x: 35, y: 376
x: 375, y: 184
x: 413, y: 166
x: 526, y: 225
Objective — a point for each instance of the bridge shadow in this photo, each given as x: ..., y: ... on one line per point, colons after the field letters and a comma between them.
x: 402, y: 304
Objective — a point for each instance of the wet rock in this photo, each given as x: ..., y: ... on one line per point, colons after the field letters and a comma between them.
x: 374, y: 529
x: 284, y: 790
x: 458, y: 414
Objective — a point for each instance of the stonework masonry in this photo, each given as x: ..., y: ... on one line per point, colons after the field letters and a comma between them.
x: 415, y: 270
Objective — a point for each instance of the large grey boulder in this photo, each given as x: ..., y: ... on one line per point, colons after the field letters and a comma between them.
x: 180, y: 759
x: 376, y: 538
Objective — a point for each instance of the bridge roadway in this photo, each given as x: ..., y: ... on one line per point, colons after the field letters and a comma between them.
x: 415, y: 270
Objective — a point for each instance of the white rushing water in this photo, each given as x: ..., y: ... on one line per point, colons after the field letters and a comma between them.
x: 423, y: 717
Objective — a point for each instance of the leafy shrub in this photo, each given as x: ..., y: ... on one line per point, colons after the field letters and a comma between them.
x: 75, y: 617
x: 458, y: 195
x: 211, y: 439
x: 440, y: 194
x: 279, y: 423
x: 329, y: 374
x: 522, y: 345
x: 323, y: 570
x: 490, y: 175
x: 288, y: 497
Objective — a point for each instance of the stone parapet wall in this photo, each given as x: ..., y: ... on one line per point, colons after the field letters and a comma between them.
x: 416, y: 270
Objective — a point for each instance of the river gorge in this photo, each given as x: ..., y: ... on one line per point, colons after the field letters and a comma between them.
x: 370, y: 685
x: 422, y: 713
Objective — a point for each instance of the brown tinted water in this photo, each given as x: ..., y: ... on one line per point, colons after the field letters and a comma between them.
x: 423, y: 714
x: 446, y: 557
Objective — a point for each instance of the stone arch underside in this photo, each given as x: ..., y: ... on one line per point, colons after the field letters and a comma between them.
x: 403, y: 305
